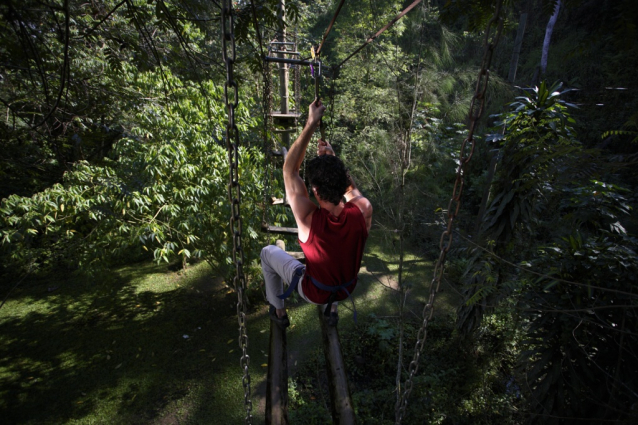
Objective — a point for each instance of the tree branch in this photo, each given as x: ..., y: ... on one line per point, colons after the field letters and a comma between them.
x: 542, y: 274
x: 102, y: 21
x: 65, y: 64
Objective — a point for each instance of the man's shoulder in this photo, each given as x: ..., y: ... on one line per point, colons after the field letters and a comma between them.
x: 362, y: 203
x: 363, y: 207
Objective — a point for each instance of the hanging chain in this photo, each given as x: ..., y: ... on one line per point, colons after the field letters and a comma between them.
x: 234, y: 193
x: 492, y: 35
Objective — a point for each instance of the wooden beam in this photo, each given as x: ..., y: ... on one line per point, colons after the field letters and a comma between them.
x: 342, y: 409
x: 277, y: 379
x: 280, y: 230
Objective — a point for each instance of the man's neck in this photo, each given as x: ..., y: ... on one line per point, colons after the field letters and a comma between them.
x: 331, y: 208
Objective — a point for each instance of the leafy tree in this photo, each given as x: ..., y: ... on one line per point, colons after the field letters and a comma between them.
x: 580, y: 360
x: 536, y: 146
x: 542, y: 217
x: 63, y: 71
x: 163, y: 189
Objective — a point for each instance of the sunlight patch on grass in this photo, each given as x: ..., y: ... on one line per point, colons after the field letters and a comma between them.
x: 114, y: 351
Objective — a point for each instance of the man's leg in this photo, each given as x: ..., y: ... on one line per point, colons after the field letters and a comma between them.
x: 277, y: 267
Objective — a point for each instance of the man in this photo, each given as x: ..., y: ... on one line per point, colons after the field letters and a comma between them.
x: 332, y: 235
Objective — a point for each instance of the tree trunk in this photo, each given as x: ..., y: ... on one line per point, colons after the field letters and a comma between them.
x: 511, y: 77
x: 548, y: 37
x: 486, y: 196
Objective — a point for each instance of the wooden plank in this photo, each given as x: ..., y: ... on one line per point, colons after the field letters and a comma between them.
x: 277, y: 378
x: 279, y: 201
x: 278, y: 114
x: 341, y: 406
x: 283, y: 152
x: 299, y: 256
x: 280, y: 230
x: 286, y: 60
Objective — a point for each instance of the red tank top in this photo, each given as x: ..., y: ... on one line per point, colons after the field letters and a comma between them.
x: 334, y: 251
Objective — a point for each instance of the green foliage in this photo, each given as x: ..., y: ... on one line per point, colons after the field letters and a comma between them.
x: 578, y: 360
x: 537, y: 145
x: 595, y: 206
x: 575, y: 313
x: 632, y: 123
x: 164, y: 191
x: 457, y: 381
x: 66, y: 74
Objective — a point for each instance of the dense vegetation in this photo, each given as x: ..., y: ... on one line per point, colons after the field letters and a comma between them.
x: 113, y: 151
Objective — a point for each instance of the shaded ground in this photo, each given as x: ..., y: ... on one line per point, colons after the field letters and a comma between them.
x: 148, y: 345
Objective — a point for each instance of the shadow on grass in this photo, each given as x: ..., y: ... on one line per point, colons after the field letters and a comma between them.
x: 114, y: 350
x: 124, y: 349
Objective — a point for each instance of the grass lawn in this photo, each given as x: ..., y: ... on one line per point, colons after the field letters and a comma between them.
x: 148, y: 345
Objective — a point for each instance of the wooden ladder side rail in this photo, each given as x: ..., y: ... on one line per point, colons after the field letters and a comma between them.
x: 277, y: 379
x: 342, y: 408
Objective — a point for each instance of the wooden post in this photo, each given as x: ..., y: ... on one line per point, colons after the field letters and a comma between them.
x: 283, y: 70
x: 277, y: 379
x: 342, y: 409
x: 522, y: 23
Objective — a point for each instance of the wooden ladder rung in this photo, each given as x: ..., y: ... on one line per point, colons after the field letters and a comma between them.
x: 289, y: 115
x: 285, y: 52
x: 280, y: 230
x: 283, y: 152
x: 299, y: 256
x: 280, y: 201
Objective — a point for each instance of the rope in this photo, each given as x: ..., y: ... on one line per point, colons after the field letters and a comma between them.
x: 334, y: 18
x: 381, y: 31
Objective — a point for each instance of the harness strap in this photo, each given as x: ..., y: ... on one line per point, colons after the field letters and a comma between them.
x: 334, y: 290
x: 299, y: 271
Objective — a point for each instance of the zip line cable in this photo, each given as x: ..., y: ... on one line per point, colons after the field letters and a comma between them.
x: 334, y: 18
x: 368, y: 41
x: 381, y: 31
x: 261, y: 45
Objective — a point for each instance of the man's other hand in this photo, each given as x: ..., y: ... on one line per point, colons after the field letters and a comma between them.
x: 316, y: 112
x: 324, y: 148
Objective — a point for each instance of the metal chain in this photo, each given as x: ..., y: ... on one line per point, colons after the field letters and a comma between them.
x: 492, y: 35
x: 234, y: 193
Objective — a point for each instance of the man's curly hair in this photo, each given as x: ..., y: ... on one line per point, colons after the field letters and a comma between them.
x: 328, y: 175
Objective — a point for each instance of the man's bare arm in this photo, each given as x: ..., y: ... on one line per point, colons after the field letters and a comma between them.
x: 354, y: 195
x: 296, y: 192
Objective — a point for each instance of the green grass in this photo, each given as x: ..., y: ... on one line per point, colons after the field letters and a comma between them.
x: 112, y: 349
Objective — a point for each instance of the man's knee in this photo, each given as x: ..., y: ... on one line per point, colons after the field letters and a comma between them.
x: 266, y: 251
